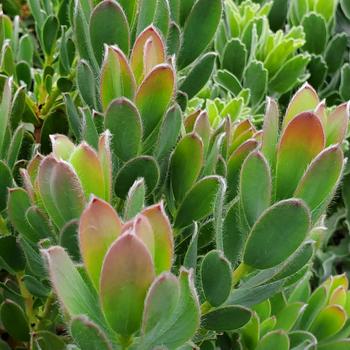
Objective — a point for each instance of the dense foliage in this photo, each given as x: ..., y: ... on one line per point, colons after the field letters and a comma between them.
x: 173, y: 174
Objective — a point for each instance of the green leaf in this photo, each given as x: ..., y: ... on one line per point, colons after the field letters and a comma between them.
x: 197, y: 33
x: 154, y: 95
x: 136, y: 199
x: 335, y: 51
x: 80, y: 20
x: 99, y: 227
x: 328, y: 322
x: 185, y: 164
x: 337, y: 124
x: 318, y: 71
x: 226, y: 318
x: 55, y: 123
x: 321, y: 178
x: 191, y: 256
x: 60, y: 191
x: 49, y: 34
x: 169, y: 132
x: 155, y: 12
x: 86, y: 84
x: 69, y: 239
x: 216, y: 276
x: 5, y: 183
x: 124, y: 122
x: 336, y: 345
x: 108, y: 25
x: 5, y: 110
x: 199, y: 201
x: 163, y: 237
x: 88, y: 168
x: 199, y: 75
x: 18, y: 204
x: 271, y: 241
x: 26, y: 49
x: 255, y: 79
x: 14, y: 320
x: 228, y: 81
x: 73, y: 293
x: 88, y: 335
x: 143, y: 166
x: 315, y: 304
x: 11, y: 255
x: 45, y: 340
x: 181, y: 324
x: 274, y: 340
x: 232, y: 238
x: 161, y: 301
x: 73, y: 117
x: 234, y: 164
x: 315, y: 29
x: 15, y: 146
x: 235, y: 57
x: 287, y: 77
x: 255, y: 186
x: 304, y: 100
x: 344, y: 89
x: 289, y: 315
x: 126, y: 275
x: 117, y: 79
x: 270, y: 131
x: 326, y: 8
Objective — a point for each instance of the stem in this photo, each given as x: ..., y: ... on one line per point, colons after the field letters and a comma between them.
x: 239, y: 273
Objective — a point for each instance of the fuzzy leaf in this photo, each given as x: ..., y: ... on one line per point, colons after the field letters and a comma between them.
x: 304, y: 100
x: 197, y: 33
x: 226, y: 318
x: 108, y: 25
x: 255, y: 186
x: 180, y: 325
x: 73, y: 293
x: 199, y: 201
x: 185, y: 164
x: 5, y: 183
x: 87, y: 166
x: 88, y: 335
x: 60, y: 191
x: 328, y: 322
x: 14, y: 320
x: 216, y: 278
x: 321, y: 178
x: 270, y: 131
x: 143, y: 166
x: 99, y: 227
x: 199, y: 75
x: 301, y: 141
x: 148, y: 43
x: 337, y: 124
x: 163, y: 237
x: 124, y: 122
x: 274, y: 340
x: 154, y: 95
x: 271, y: 241
x: 127, y: 273
x: 117, y: 79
